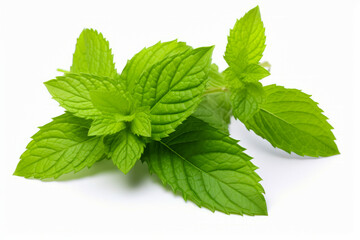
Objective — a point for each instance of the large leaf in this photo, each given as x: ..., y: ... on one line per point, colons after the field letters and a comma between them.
x: 72, y: 91
x: 93, y: 55
x: 292, y: 121
x: 60, y: 147
x: 173, y: 89
x: 209, y: 168
x: 148, y: 57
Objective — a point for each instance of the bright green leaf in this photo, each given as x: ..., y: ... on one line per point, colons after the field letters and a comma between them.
x: 93, y: 55
x: 254, y: 73
x: 72, y: 91
x: 209, y: 168
x: 216, y: 79
x: 246, y: 42
x: 147, y: 57
x: 141, y: 125
x: 292, y: 121
x: 126, y: 149
x: 60, y: 147
x: 106, y: 125
x: 173, y: 89
x: 111, y: 102
x: 246, y: 101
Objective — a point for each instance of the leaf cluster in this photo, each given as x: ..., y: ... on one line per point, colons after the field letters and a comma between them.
x: 170, y: 107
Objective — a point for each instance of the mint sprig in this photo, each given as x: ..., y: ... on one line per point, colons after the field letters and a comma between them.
x: 171, y: 107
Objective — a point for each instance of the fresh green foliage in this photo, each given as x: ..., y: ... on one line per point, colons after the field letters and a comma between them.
x: 93, y: 55
x: 215, y: 109
x: 72, y: 91
x: 244, y: 50
x: 60, y: 147
x: 171, y: 107
x: 173, y: 88
x: 125, y: 150
x: 209, y: 168
x: 246, y: 43
x: 292, y: 121
x: 246, y: 100
x: 147, y: 57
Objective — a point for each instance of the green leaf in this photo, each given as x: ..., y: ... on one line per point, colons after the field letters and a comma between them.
x: 60, y: 147
x: 147, y: 57
x: 254, y: 73
x: 246, y: 101
x: 72, y: 91
x: 173, y: 89
x: 215, y: 109
x: 111, y: 102
x: 126, y: 149
x: 216, y: 79
x: 141, y: 125
x: 246, y: 42
x: 292, y: 121
x: 209, y: 168
x: 105, y: 126
x: 93, y: 55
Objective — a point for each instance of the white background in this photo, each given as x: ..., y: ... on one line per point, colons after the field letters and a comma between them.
x: 311, y: 46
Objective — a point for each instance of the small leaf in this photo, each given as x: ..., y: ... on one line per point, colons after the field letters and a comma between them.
x: 246, y: 100
x: 60, y: 147
x: 93, y: 55
x: 292, y: 121
x: 106, y: 126
x: 126, y: 149
x: 141, y: 125
x: 254, y: 73
x: 246, y: 42
x: 72, y: 91
x: 209, y: 168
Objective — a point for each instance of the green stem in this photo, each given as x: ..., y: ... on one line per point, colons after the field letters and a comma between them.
x: 62, y: 70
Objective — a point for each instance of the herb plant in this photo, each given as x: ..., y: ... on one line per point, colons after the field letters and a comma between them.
x: 170, y: 107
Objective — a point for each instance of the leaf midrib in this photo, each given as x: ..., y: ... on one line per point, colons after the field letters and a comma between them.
x: 91, y: 139
x: 199, y: 169
x: 291, y: 125
x: 171, y: 88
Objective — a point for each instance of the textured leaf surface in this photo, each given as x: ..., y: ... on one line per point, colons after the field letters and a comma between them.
x: 72, y: 91
x: 246, y: 101
x: 292, y: 121
x: 126, y: 149
x: 106, y: 125
x: 215, y: 109
x: 93, y: 55
x: 148, y: 57
x: 246, y: 42
x: 173, y: 88
x: 216, y: 79
x: 141, y: 125
x: 60, y: 147
x: 254, y: 73
x: 209, y: 168
x: 111, y: 102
